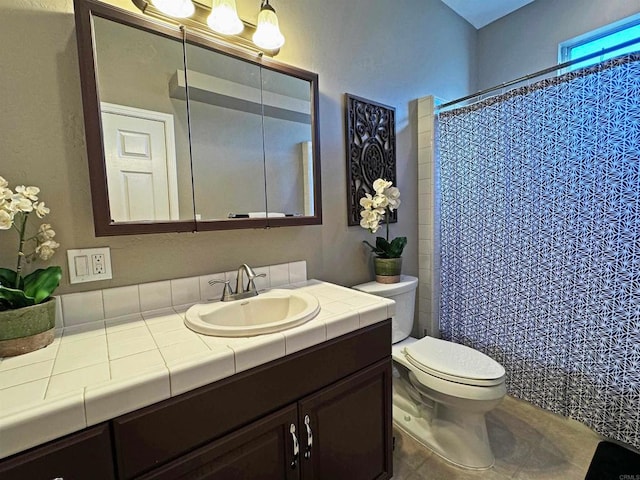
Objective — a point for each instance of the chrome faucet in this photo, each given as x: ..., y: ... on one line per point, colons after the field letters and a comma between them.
x: 242, y: 291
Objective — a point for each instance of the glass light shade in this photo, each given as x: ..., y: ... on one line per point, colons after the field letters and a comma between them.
x: 268, y: 35
x: 175, y: 8
x: 224, y: 17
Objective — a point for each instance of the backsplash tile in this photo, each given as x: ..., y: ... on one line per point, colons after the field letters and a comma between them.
x: 155, y: 295
x: 297, y: 272
x: 177, y: 295
x: 121, y: 301
x: 78, y: 308
x: 279, y: 275
x: 185, y: 290
x: 59, y: 323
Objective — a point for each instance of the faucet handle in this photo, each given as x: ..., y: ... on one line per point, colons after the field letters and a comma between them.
x: 251, y: 286
x: 226, y: 290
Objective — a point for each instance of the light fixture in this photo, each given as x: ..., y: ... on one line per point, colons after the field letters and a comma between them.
x: 221, y: 20
x: 175, y: 8
x: 224, y: 18
x: 268, y: 35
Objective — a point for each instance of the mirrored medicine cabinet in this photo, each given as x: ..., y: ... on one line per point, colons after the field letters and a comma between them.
x: 185, y: 133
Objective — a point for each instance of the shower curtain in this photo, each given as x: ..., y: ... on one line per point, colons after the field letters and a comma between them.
x: 540, y: 240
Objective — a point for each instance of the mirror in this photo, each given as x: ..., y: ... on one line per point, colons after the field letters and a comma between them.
x: 185, y: 133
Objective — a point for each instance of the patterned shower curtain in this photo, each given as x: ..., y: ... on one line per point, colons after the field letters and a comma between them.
x: 540, y: 239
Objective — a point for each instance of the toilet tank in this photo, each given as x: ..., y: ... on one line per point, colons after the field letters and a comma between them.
x: 404, y: 294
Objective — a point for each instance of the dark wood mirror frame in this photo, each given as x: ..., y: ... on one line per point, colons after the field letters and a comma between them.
x: 85, y: 10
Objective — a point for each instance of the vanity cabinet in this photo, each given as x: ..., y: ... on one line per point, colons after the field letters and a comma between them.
x: 343, y: 385
x: 338, y: 433
x: 82, y: 455
x: 335, y: 398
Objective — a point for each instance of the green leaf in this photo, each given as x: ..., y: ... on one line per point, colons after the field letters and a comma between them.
x: 397, y: 246
x: 8, y: 278
x: 11, y: 298
x: 384, y: 249
x: 40, y: 284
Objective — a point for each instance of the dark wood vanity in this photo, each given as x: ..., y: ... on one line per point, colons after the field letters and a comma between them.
x: 332, y: 401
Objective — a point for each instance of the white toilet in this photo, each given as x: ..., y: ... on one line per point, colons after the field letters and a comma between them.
x: 441, y: 390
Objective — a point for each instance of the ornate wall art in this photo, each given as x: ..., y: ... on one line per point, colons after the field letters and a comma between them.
x: 371, y: 150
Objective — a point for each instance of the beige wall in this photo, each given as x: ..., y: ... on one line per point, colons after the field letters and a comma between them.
x: 391, y: 51
x: 534, y: 32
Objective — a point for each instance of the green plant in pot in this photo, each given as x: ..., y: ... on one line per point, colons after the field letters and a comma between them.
x: 376, y: 209
x: 27, y: 309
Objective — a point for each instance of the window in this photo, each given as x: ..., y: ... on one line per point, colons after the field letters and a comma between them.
x: 617, y: 33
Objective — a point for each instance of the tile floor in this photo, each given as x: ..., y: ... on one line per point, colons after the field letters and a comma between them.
x: 528, y: 442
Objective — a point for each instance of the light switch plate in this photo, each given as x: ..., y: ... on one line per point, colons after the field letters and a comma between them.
x: 89, y: 264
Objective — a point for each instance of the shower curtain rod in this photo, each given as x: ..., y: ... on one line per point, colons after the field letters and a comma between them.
x: 560, y: 66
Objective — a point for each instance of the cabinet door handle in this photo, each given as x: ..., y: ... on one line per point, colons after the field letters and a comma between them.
x: 307, y: 423
x: 296, y: 447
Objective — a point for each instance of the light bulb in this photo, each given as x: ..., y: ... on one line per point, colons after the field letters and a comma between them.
x: 268, y: 35
x: 175, y: 8
x: 224, y: 18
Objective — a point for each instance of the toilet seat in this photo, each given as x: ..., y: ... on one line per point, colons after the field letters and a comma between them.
x: 454, y: 362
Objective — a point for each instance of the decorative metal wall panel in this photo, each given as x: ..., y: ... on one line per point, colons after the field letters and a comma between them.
x: 371, y: 150
x: 540, y: 226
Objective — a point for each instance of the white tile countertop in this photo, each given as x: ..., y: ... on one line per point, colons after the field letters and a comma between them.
x: 99, y: 370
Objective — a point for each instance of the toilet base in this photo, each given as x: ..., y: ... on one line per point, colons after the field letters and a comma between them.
x: 464, y: 444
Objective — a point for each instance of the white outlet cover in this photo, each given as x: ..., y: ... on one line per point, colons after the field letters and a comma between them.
x: 75, y: 277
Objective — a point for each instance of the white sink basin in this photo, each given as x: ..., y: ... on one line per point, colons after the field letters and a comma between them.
x: 268, y: 312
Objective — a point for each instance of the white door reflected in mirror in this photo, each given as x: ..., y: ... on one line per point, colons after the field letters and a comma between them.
x: 141, y: 164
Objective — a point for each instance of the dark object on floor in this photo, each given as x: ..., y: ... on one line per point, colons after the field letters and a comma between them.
x: 613, y: 462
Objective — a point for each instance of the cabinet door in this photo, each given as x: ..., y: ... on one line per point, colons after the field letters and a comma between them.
x: 263, y: 450
x: 78, y: 456
x: 349, y: 428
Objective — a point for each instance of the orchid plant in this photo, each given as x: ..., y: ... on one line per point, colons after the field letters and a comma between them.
x: 16, y: 289
x: 375, y: 208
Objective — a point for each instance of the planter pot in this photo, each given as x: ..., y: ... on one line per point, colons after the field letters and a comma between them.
x: 387, y: 269
x: 27, y: 329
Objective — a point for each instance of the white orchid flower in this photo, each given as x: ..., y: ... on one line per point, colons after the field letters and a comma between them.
x: 28, y: 192
x: 40, y: 209
x: 3, y: 183
x: 46, y: 249
x: 366, y: 202
x: 380, y: 185
x: 45, y: 232
x: 393, y: 195
x: 6, y: 219
x: 5, y: 193
x: 370, y: 220
x: 385, y: 200
x: 19, y: 203
x: 380, y: 201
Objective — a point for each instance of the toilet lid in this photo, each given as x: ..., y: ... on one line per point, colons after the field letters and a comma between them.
x: 454, y: 362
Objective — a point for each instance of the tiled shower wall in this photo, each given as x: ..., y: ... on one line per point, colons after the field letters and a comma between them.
x: 428, y: 221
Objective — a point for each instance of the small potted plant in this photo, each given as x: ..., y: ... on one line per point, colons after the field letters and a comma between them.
x: 388, y: 254
x: 27, y: 309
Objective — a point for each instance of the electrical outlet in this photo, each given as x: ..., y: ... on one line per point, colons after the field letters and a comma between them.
x: 89, y: 264
x: 97, y: 262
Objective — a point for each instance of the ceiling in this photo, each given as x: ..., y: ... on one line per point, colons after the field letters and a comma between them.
x: 482, y: 12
